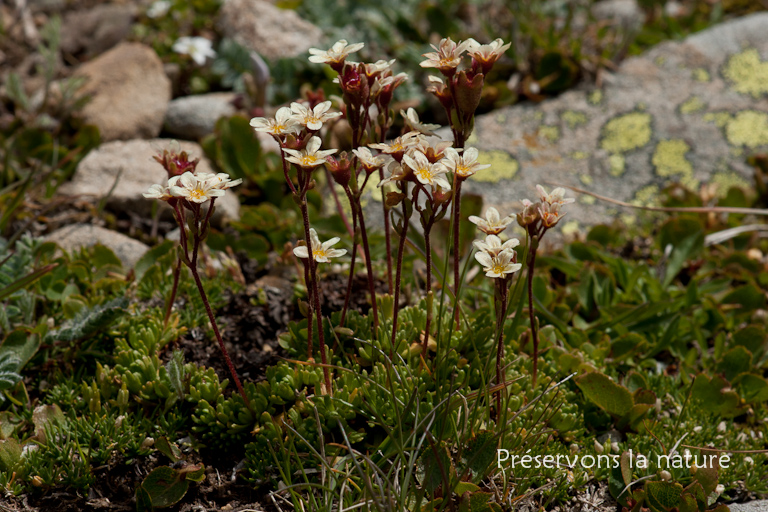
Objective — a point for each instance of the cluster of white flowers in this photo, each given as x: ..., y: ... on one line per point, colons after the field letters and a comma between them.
x: 546, y: 210
x: 291, y: 120
x: 498, y: 258
x: 413, y: 156
x: 193, y: 187
x: 448, y: 54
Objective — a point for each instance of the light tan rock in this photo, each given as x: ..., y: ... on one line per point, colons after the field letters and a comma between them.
x: 132, y: 161
x: 263, y: 27
x: 130, y: 92
x: 77, y: 236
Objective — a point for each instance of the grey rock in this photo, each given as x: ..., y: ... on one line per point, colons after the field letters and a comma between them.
x: 263, y: 27
x: 684, y: 112
x: 130, y: 92
x: 626, y: 12
x: 76, y: 236
x: 132, y: 160
x: 96, y: 30
x: 752, y: 506
x: 193, y: 117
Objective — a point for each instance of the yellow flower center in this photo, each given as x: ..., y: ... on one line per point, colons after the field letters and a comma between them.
x: 308, y: 161
x: 425, y: 173
x: 276, y: 129
x: 197, y: 193
x: 319, y: 253
x: 463, y: 170
x: 498, y: 268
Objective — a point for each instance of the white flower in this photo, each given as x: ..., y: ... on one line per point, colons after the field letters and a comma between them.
x: 369, y: 162
x: 497, y: 266
x: 158, y: 192
x: 321, y: 252
x: 221, y: 181
x: 487, y: 54
x: 492, y: 224
x: 283, y: 123
x: 550, y: 214
x: 397, y: 173
x: 400, y: 144
x: 336, y: 54
x: 195, y: 189
x: 493, y: 245
x: 447, y: 55
x: 378, y: 67
x: 426, y: 172
x: 557, y: 196
x: 309, y: 157
x: 413, y: 122
x: 465, y: 165
x: 158, y: 9
x: 313, y: 119
x: 199, y: 48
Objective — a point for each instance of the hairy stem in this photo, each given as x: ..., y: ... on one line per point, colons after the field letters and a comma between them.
x: 456, y: 256
x: 172, y: 297
x: 336, y: 200
x: 387, y: 235
x: 399, y: 271
x: 352, y: 263
x: 534, y: 335
x: 368, y: 264
x: 216, y: 332
x: 310, y: 302
x: 428, y: 251
x: 315, y: 293
x: 500, y: 379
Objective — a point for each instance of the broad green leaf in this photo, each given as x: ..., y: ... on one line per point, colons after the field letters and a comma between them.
x: 480, y: 453
x: 609, y: 396
x: 663, y: 496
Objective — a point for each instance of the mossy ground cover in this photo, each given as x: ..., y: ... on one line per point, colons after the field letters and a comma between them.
x: 647, y: 347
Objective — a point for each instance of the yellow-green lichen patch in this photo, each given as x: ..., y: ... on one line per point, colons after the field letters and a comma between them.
x: 574, y: 118
x: 579, y: 155
x: 691, y: 105
x: 472, y: 139
x: 647, y: 196
x: 660, y: 60
x: 724, y: 180
x: 669, y: 159
x: 570, y: 228
x: 617, y: 164
x: 628, y: 219
x: 719, y: 118
x: 747, y: 73
x: 501, y: 118
x: 585, y: 199
x: 595, y: 97
x: 748, y: 128
x: 586, y: 179
x: 700, y: 75
x: 549, y: 132
x: 626, y: 132
x: 503, y: 166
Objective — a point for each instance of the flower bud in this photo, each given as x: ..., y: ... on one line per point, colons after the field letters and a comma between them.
x: 468, y: 92
x: 341, y: 169
x: 665, y: 475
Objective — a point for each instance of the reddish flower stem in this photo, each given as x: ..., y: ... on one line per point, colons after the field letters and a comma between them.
x: 500, y: 379
x: 172, y: 297
x: 456, y: 256
x: 534, y: 334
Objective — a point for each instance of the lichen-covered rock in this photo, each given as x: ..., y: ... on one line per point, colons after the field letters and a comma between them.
x: 687, y: 112
x: 77, y: 236
x: 130, y: 92
x: 127, y: 169
x: 262, y: 27
x: 194, y: 117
